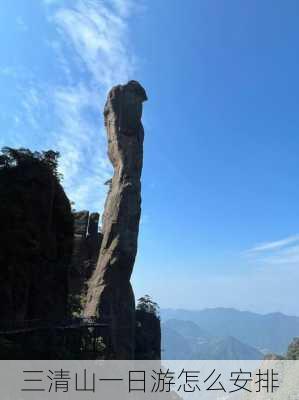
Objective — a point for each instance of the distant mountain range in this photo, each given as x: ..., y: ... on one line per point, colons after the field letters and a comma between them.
x: 225, y: 333
x: 186, y: 340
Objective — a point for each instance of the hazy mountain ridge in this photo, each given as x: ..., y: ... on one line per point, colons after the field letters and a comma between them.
x: 267, y: 333
x: 186, y: 340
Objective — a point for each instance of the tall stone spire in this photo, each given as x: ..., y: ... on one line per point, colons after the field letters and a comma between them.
x: 110, y: 293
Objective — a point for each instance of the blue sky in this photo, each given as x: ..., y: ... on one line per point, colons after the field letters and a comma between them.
x: 220, y: 181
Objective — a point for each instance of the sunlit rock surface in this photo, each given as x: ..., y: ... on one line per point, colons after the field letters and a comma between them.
x: 110, y: 294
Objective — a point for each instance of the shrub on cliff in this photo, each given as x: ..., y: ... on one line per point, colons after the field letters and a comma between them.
x: 148, y: 330
x: 11, y: 158
x: 146, y: 304
x: 293, y: 350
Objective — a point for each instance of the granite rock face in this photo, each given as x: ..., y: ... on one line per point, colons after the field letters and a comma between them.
x: 110, y: 294
x: 36, y: 244
x: 87, y: 242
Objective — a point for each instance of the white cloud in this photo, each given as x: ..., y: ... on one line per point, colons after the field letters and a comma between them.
x: 274, y: 245
x: 283, y: 251
x: 89, y: 40
x: 84, y: 163
x: 98, y: 35
x: 95, y: 35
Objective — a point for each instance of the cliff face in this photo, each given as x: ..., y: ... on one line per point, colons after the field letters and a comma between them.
x: 148, y: 336
x: 36, y: 243
x: 87, y: 242
x: 110, y: 294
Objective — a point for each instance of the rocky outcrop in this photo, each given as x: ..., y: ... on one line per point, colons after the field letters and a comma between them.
x: 36, y: 240
x: 87, y: 242
x: 148, y: 336
x: 110, y: 294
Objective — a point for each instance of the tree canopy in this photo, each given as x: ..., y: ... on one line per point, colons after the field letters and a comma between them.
x: 293, y: 350
x: 10, y: 158
x: 146, y: 304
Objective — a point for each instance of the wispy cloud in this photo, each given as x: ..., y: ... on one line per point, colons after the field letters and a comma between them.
x: 96, y: 35
x: 276, y: 245
x: 91, y: 49
x: 283, y: 251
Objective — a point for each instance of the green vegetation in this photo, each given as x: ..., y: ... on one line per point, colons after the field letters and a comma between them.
x: 291, y: 354
x: 293, y: 350
x: 10, y: 158
x: 146, y: 304
x: 148, y: 330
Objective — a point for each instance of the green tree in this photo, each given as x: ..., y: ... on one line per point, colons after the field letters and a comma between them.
x: 293, y: 350
x: 146, y: 304
x: 50, y: 158
x: 10, y: 158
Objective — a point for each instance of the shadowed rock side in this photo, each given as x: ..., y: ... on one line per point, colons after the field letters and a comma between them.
x: 36, y: 243
x: 87, y: 242
x: 148, y: 336
x: 110, y: 294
